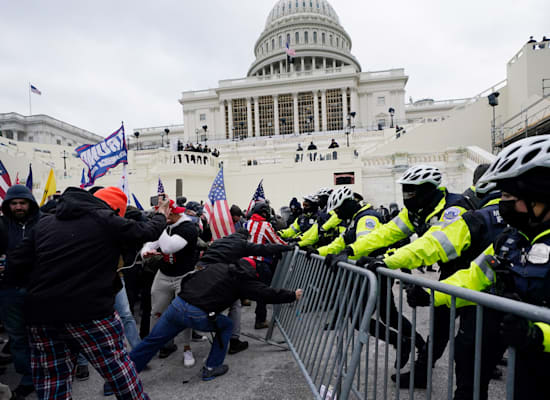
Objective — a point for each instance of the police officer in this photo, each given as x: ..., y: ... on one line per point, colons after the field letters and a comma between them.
x: 461, y: 240
x: 516, y: 265
x: 305, y: 221
x: 427, y: 204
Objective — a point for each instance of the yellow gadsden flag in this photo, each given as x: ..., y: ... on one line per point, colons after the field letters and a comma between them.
x: 50, y: 188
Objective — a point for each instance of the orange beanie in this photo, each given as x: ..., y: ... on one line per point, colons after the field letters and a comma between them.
x: 115, y: 198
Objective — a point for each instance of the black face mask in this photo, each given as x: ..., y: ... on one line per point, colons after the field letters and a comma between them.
x: 524, y: 222
x: 347, y: 209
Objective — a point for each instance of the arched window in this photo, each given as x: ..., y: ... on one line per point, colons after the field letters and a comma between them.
x: 314, y: 37
x: 330, y: 40
x: 288, y: 38
x: 280, y: 41
x: 272, y: 44
x: 306, y: 37
x: 337, y: 42
x: 297, y: 37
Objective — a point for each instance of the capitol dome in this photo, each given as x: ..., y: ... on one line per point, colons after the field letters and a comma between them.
x: 312, y: 29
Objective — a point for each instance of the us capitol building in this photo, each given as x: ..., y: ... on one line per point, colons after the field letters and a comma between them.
x: 322, y: 90
x: 258, y: 121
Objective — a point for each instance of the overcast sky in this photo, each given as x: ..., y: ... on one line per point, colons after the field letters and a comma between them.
x: 101, y: 62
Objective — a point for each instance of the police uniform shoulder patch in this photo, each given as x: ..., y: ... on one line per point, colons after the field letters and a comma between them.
x: 370, y: 224
x: 451, y: 214
x: 539, y: 254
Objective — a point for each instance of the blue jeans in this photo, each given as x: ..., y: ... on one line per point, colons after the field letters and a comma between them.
x: 12, y: 314
x: 178, y: 316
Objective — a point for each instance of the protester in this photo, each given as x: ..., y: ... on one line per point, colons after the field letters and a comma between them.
x: 20, y: 215
x: 204, y: 294
x: 177, y: 246
x: 68, y: 265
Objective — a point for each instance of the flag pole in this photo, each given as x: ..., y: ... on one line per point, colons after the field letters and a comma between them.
x: 30, y: 105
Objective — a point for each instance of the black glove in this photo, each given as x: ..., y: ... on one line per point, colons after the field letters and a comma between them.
x: 281, y: 248
x: 417, y: 297
x: 332, y: 260
x: 521, y: 333
x: 371, y: 263
x: 309, y: 251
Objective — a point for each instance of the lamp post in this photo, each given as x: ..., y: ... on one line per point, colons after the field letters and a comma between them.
x: 167, y: 131
x: 136, y: 134
x: 162, y: 139
x: 205, y: 128
x: 283, y: 124
x: 350, y: 116
x: 493, y: 102
x: 392, y: 113
x: 197, y: 133
x: 64, y: 157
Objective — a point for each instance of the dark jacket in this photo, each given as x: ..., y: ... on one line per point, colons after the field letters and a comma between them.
x: 233, y: 247
x: 71, y: 257
x: 16, y: 230
x: 215, y: 287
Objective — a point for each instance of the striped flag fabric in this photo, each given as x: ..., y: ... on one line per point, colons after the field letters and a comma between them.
x: 290, y: 52
x: 5, y: 181
x: 217, y: 209
x: 28, y: 183
x: 160, y: 188
x: 35, y: 90
x: 259, y: 195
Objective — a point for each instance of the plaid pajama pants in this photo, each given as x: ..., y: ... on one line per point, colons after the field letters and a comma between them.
x: 54, y: 348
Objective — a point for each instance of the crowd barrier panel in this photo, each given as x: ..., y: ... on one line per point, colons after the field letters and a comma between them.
x: 328, y: 332
x: 319, y: 329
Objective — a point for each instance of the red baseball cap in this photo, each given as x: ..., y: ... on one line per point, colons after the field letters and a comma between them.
x: 175, y: 209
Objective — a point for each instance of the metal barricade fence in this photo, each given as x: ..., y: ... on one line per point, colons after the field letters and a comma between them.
x: 484, y: 304
x: 336, y: 343
x: 320, y: 329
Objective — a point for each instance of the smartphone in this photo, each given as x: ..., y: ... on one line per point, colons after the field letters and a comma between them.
x: 154, y: 201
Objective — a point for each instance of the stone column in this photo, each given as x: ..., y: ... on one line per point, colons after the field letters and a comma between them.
x: 313, y: 63
x: 324, y: 109
x: 276, y: 114
x: 281, y: 67
x: 230, y: 118
x: 344, y: 107
x: 355, y: 106
x: 296, y: 115
x: 257, y: 115
x: 271, y: 68
x: 324, y: 63
x: 315, y: 111
x: 303, y: 64
x: 221, y: 119
x: 249, y: 121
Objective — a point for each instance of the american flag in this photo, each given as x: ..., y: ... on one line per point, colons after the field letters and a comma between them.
x: 259, y: 195
x: 217, y: 210
x: 35, y: 90
x: 5, y: 181
x: 160, y: 187
x: 290, y: 52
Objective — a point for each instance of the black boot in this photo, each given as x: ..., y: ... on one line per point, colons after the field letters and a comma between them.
x: 236, y: 346
x: 420, y: 375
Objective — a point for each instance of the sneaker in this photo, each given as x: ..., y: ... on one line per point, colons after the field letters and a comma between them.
x: 24, y: 390
x: 261, y: 325
x: 82, y: 373
x: 107, y: 389
x: 236, y: 346
x: 212, y: 373
x: 188, y: 359
x: 167, y: 350
x: 198, y: 337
